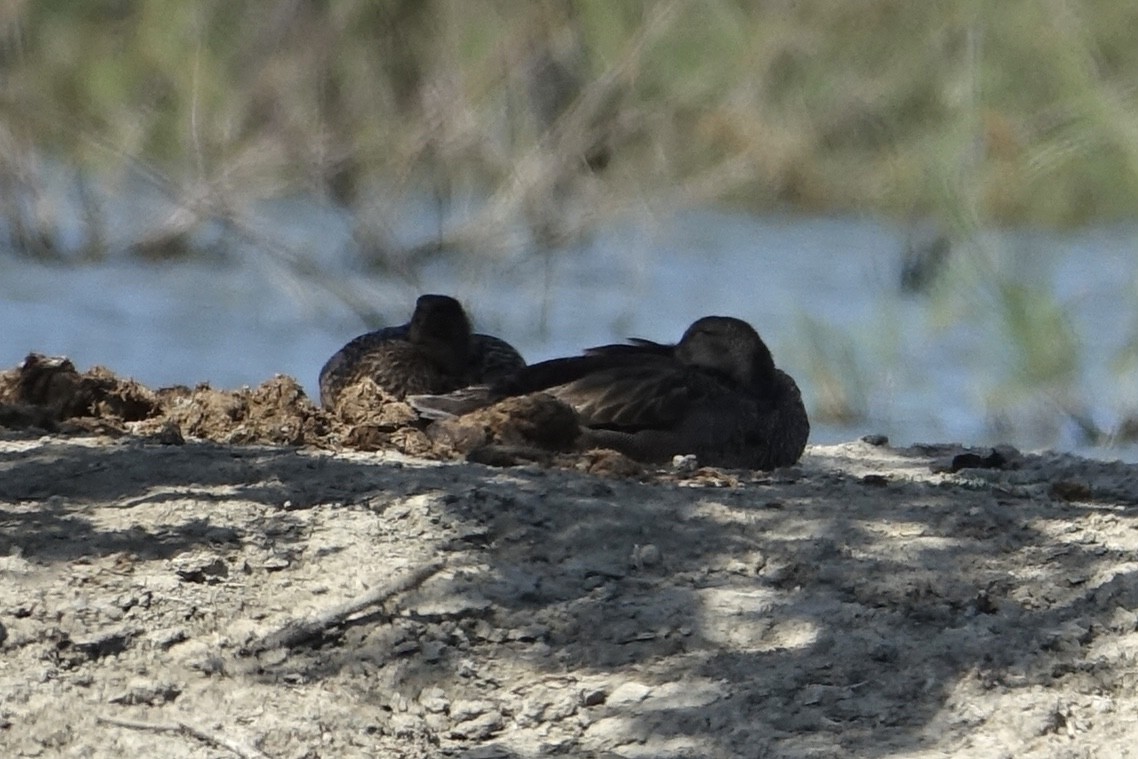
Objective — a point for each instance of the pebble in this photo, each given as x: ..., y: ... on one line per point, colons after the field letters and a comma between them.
x: 463, y: 710
x: 615, y: 731
x: 685, y: 463
x: 432, y: 650
x: 565, y: 706
x: 405, y: 725
x: 436, y: 722
x: 594, y: 697
x: 141, y: 691
x: 200, y: 567
x: 647, y: 555
x: 275, y: 564
x: 434, y: 700
x: 273, y: 657
x: 531, y: 713
x: 529, y: 633
x: 480, y: 727
x: 406, y: 647
x: 628, y: 693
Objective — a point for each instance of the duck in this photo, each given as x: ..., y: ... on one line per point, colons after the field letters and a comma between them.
x: 437, y: 351
x: 716, y: 394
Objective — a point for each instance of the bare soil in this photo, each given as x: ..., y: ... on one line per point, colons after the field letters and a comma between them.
x: 199, y: 573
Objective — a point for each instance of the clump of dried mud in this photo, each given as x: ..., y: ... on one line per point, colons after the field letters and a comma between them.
x: 49, y: 393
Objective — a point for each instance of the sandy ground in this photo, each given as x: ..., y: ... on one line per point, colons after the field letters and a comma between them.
x: 163, y: 595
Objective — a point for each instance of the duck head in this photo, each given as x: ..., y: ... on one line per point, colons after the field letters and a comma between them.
x: 730, y: 347
x: 440, y: 328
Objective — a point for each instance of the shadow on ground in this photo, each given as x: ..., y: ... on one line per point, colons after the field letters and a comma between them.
x: 858, y: 605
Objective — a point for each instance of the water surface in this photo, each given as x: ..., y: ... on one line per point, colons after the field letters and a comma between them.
x: 823, y: 292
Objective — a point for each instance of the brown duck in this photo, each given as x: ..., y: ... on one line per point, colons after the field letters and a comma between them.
x: 716, y: 394
x: 435, y: 352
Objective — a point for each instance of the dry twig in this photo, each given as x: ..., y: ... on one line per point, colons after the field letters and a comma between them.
x: 299, y: 630
x: 184, y: 728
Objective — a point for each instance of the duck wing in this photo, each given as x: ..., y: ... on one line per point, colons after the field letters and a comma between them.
x: 656, y: 395
x: 636, y: 346
x: 514, y: 381
x: 492, y: 360
x: 344, y: 367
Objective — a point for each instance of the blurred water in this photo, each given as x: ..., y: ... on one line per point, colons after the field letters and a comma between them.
x: 246, y: 315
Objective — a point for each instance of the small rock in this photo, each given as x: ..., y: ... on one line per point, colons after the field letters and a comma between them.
x: 215, y: 665
x: 685, y: 463
x: 617, y: 731
x: 776, y: 572
x: 273, y: 657
x: 983, y: 603
x: 406, y: 647
x: 1071, y: 490
x: 222, y: 534
x: 629, y: 693
x: 875, y: 440
x: 739, y: 567
x: 482, y: 630
x: 147, y: 692
x: 168, y: 434
x: 592, y: 582
x: 1000, y: 457
x: 594, y: 697
x: 461, y: 711
x: 200, y: 567
x: 531, y: 713
x: 647, y: 555
x: 434, y: 700
x: 168, y: 637
x: 436, y: 722
x: 275, y: 564
x: 479, y: 728
x: 433, y: 650
x: 406, y: 726
x: 561, y: 708
x: 529, y: 633
x: 128, y: 601
x: 436, y: 706
x: 105, y: 643
x: 1123, y: 620
x: 1013, y: 458
x: 488, y: 633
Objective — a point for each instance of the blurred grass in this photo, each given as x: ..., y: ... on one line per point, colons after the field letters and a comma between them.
x: 876, y: 105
